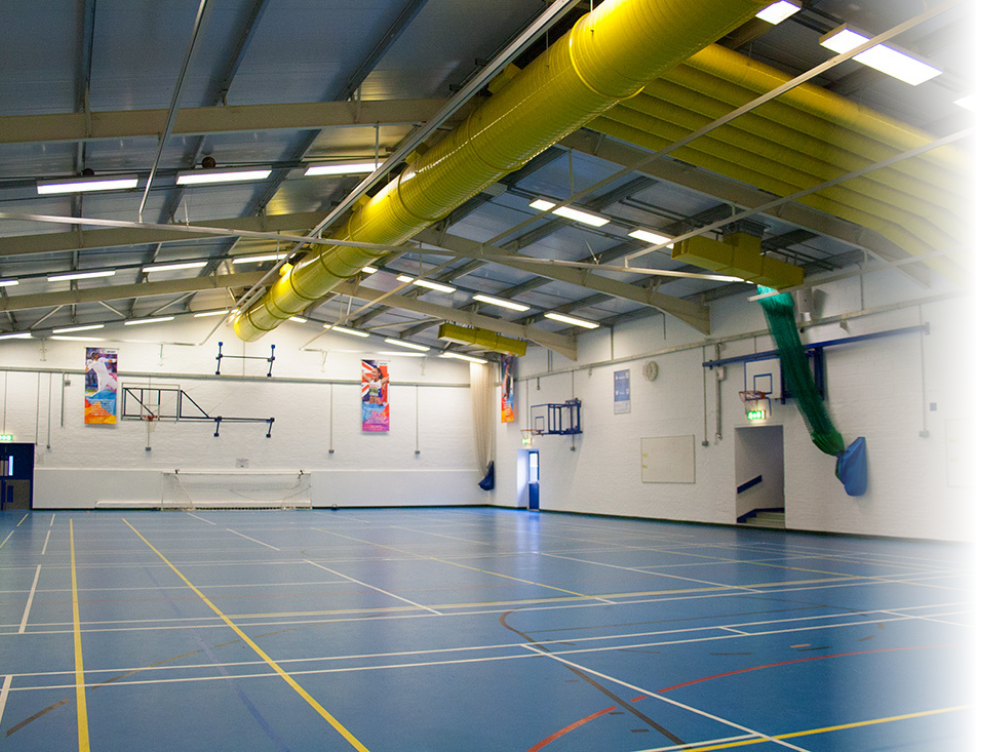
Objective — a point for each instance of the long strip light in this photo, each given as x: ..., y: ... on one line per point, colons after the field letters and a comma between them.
x: 341, y: 168
x: 968, y: 102
x: 257, y: 259
x: 208, y: 177
x: 411, y: 345
x: 156, y: 320
x: 649, y: 236
x: 297, y: 319
x: 577, y: 215
x: 426, y: 283
x: 500, y: 302
x: 369, y: 269
x: 459, y: 356
x: 571, y: 320
x: 8, y: 282
x: 174, y: 267
x: 83, y: 185
x: 882, y: 57
x: 19, y: 335
x: 80, y: 275
x: 71, y: 329
x: 219, y: 312
x: 77, y: 339
x: 346, y: 330
x: 777, y: 12
x: 398, y: 354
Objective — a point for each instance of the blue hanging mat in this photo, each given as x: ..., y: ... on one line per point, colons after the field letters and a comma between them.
x: 489, y: 480
x: 852, y: 468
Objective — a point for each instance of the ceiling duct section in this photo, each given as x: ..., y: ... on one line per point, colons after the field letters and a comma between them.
x: 482, y: 338
x: 608, y: 56
x: 805, y: 137
x: 738, y: 254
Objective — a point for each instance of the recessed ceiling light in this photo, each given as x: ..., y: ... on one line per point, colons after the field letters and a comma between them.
x: 156, y: 320
x: 204, y: 177
x: 19, y: 335
x: 174, y: 267
x: 8, y: 282
x: 469, y: 358
x: 509, y: 304
x: 80, y: 275
x: 571, y: 320
x: 882, y: 57
x: 369, y: 269
x: 577, y: 215
x: 430, y: 285
x: 69, y: 329
x: 346, y: 330
x: 650, y: 237
x: 341, y: 168
x: 411, y: 345
x: 777, y: 12
x: 83, y: 185
x: 258, y: 259
x: 220, y: 312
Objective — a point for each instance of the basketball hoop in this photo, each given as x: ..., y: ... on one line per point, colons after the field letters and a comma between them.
x: 756, y: 405
x: 150, y: 420
x: 528, y: 435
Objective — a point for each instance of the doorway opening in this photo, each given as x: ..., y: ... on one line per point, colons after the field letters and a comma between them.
x: 17, y: 473
x: 760, y: 476
x: 528, y: 488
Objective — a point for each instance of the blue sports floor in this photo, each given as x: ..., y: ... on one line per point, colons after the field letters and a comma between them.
x: 473, y: 630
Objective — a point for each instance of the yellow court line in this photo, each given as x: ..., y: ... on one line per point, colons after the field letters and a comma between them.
x: 82, y: 725
x: 827, y: 729
x: 463, y: 566
x: 341, y: 729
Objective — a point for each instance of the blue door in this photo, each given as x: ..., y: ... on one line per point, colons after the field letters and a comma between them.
x: 17, y: 470
x: 533, y: 480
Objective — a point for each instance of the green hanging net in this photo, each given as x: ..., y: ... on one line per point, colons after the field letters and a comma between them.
x: 780, y: 313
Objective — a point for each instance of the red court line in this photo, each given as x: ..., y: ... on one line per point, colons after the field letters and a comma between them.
x: 562, y: 732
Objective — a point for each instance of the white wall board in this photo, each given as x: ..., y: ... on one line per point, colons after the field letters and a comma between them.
x: 668, y: 459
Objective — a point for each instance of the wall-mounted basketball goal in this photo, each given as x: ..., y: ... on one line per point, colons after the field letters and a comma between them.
x: 559, y: 418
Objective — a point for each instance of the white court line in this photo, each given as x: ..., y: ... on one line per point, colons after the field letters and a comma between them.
x: 46, y: 544
x: 3, y: 694
x: 31, y: 597
x: 372, y: 587
x: 6, y: 539
x: 252, y: 539
x: 200, y: 518
x: 22, y: 520
x: 52, y: 521
x: 693, y: 745
x: 661, y: 698
x: 937, y: 621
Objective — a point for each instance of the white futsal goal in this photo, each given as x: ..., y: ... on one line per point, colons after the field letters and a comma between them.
x: 182, y: 489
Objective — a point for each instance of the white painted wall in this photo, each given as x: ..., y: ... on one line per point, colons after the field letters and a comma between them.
x: 79, y: 465
x: 875, y: 389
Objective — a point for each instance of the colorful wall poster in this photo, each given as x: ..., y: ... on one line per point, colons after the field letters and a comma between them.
x: 101, y: 387
x: 507, y: 388
x: 623, y: 392
x: 374, y: 395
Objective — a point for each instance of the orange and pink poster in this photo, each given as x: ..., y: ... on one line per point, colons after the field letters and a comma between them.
x: 507, y: 389
x: 101, y: 387
x: 374, y: 395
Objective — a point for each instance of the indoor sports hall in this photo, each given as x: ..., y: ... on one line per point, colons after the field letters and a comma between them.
x: 432, y: 376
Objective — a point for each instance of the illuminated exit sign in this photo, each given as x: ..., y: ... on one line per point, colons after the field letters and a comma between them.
x: 6, y: 437
x: 755, y: 415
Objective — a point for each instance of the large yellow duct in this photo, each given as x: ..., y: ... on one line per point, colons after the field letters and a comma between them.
x: 607, y: 56
x: 483, y: 338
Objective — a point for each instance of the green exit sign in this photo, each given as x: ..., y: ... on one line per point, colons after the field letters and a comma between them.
x: 6, y: 437
x: 755, y: 414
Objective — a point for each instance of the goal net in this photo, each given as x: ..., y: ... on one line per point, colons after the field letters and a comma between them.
x: 239, y: 490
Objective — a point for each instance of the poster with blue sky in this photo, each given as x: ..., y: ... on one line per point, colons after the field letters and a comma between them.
x: 101, y: 387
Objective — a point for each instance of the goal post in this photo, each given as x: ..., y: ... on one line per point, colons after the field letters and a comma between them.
x: 208, y: 489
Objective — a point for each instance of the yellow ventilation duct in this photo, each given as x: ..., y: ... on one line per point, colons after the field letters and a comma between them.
x: 738, y: 255
x: 483, y: 338
x: 608, y: 56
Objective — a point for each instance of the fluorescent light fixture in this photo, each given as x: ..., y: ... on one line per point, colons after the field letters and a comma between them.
x: 399, y: 354
x: 469, y: 358
x: 571, y: 320
x: 341, y: 168
x: 777, y: 12
x: 968, y: 103
x: 78, y: 339
x: 80, y: 275
x: 71, y: 329
x: 509, y: 304
x: 889, y: 60
x: 156, y: 320
x: 82, y: 185
x: 8, y: 282
x: 220, y: 312
x: 401, y: 343
x: 297, y: 319
x: 426, y: 283
x: 577, y: 215
x: 650, y: 237
x: 19, y: 335
x: 174, y: 267
x: 257, y: 259
x: 369, y: 269
x: 346, y: 330
x: 206, y: 177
